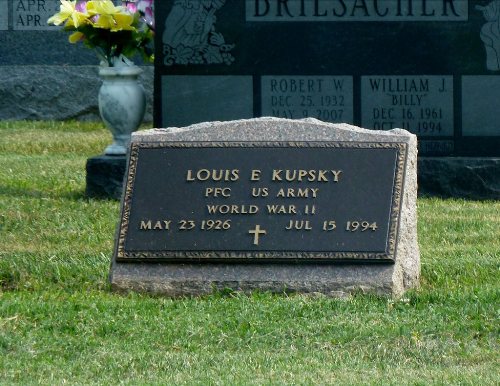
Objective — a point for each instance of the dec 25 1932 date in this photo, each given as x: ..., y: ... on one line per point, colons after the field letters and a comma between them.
x: 225, y: 225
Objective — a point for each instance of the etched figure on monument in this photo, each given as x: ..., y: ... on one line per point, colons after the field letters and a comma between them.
x: 490, y: 34
x: 190, y: 36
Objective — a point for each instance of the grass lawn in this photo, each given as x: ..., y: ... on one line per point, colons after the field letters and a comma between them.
x: 60, y: 323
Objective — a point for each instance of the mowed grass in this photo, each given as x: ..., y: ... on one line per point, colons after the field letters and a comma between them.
x: 61, y: 324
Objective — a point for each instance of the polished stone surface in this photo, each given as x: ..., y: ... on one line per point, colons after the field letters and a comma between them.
x: 436, y: 75
x: 456, y: 177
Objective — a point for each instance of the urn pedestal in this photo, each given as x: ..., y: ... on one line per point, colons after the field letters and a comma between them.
x: 122, y: 104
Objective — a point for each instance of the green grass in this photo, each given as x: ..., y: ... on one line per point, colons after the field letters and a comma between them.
x: 60, y: 323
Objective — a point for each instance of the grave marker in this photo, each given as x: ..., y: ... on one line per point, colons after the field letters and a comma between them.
x: 269, y: 204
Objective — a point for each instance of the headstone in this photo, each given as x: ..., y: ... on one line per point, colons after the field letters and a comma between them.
x: 27, y: 32
x: 431, y: 67
x: 44, y: 76
x: 269, y: 204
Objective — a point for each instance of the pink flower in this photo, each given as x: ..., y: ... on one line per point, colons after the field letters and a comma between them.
x: 146, y: 9
x: 131, y: 6
x: 81, y: 6
x: 143, y: 5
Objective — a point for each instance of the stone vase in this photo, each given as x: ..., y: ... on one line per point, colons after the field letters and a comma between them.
x: 122, y: 104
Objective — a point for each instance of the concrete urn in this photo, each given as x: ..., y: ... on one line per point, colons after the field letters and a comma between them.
x: 122, y: 104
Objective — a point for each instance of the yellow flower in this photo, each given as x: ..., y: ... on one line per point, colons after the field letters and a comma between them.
x: 102, y: 7
x: 109, y: 16
x: 76, y: 37
x: 68, y: 13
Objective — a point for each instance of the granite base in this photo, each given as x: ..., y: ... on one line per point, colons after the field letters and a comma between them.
x: 335, y: 280
x: 105, y: 175
x: 459, y: 177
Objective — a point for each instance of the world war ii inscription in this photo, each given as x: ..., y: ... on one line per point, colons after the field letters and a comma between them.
x: 301, y: 200
x: 431, y: 67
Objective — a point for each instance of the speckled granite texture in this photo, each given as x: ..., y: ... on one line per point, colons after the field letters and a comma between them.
x: 42, y: 92
x: 174, y: 279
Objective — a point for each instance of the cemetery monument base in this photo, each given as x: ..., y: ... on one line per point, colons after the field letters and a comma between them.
x: 188, y: 231
x: 105, y: 176
x: 475, y: 178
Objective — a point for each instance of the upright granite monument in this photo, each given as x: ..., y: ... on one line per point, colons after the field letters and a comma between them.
x: 269, y: 204
x: 428, y: 66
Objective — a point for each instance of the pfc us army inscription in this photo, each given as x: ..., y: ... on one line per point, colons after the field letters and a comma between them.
x: 328, y: 201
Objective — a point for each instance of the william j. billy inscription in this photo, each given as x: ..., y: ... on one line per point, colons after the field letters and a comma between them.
x: 269, y: 204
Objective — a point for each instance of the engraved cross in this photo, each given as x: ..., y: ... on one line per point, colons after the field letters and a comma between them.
x: 257, y: 232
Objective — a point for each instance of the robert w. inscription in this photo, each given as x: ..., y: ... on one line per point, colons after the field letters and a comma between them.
x: 239, y: 201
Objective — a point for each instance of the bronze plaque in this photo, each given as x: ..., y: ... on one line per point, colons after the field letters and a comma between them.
x: 262, y: 201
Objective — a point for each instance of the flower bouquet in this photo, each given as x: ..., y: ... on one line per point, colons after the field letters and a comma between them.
x: 116, y: 33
